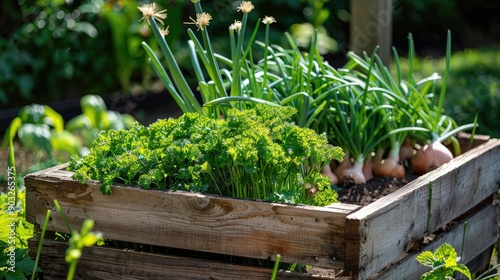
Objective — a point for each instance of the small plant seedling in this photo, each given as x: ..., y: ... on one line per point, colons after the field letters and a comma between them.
x: 85, y: 238
x: 444, y: 262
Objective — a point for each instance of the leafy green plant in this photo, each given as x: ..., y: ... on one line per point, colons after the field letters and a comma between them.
x: 255, y: 153
x: 77, y: 242
x: 15, y: 262
x: 127, y: 34
x: 444, y: 263
x: 40, y: 127
x: 96, y: 117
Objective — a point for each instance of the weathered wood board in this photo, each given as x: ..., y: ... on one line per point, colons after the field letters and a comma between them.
x: 108, y: 263
x: 301, y: 234
x: 384, y: 230
x: 480, y: 233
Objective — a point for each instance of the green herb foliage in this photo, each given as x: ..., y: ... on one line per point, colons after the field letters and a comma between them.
x: 254, y: 153
x: 444, y: 263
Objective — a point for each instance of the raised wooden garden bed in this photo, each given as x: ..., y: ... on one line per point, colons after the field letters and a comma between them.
x: 378, y: 241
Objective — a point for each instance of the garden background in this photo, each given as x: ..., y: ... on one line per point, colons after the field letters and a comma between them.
x: 52, y: 51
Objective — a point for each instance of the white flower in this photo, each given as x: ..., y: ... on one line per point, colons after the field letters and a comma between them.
x: 151, y: 11
x: 201, y: 21
x: 246, y: 7
x: 164, y: 31
x: 236, y: 26
x: 268, y: 20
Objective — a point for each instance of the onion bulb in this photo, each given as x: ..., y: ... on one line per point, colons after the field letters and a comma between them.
x: 368, y: 169
x: 348, y: 171
x: 327, y: 171
x: 430, y: 157
x: 355, y: 173
x: 334, y: 164
x: 406, y: 151
x: 389, y: 167
x: 346, y: 163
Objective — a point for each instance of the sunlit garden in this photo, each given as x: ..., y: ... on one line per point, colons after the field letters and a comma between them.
x: 249, y: 139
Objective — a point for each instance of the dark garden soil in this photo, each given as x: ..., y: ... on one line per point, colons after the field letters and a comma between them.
x: 374, y: 189
x: 364, y: 194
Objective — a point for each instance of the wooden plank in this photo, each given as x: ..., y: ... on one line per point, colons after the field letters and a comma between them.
x: 466, y: 144
x: 481, y: 233
x: 301, y: 234
x: 371, y: 25
x: 108, y: 263
x: 383, y: 231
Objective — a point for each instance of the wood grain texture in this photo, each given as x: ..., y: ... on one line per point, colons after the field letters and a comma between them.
x: 107, y: 263
x: 301, y: 234
x: 481, y: 233
x: 383, y: 231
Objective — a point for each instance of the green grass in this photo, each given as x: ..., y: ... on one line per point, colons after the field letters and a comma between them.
x: 473, y: 86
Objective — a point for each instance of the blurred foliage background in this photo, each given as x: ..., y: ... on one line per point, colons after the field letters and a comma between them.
x: 53, y: 50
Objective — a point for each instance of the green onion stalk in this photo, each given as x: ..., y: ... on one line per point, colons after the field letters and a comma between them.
x: 439, y: 127
x: 400, y: 116
x: 366, y: 115
x: 357, y: 123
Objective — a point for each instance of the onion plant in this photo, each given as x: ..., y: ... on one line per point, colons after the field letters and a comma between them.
x: 407, y: 109
x: 358, y: 120
x: 220, y: 82
x: 440, y: 127
x: 401, y: 112
x: 282, y: 77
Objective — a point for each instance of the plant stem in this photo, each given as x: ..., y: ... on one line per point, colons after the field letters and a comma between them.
x: 429, y: 210
x: 62, y: 215
x: 463, y: 240
x: 266, y: 50
x: 445, y: 78
x: 177, y: 75
x: 213, y: 66
x: 12, y: 164
x: 236, y: 83
x: 276, y: 266
x: 40, y: 242
x: 71, y: 270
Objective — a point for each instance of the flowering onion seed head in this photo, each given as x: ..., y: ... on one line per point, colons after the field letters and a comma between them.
x: 164, y: 31
x: 236, y: 26
x: 201, y: 21
x: 246, y: 7
x: 268, y: 20
x: 151, y: 11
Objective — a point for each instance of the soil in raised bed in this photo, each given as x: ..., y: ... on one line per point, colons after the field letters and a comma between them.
x: 364, y: 194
